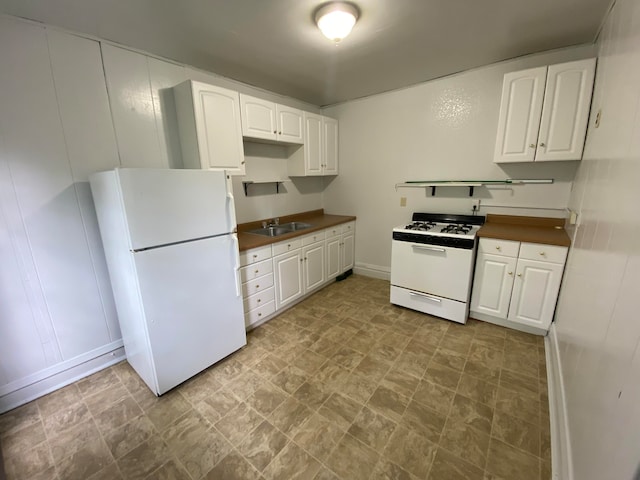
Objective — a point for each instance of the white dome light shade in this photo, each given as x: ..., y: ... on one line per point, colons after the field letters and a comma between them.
x: 335, y: 20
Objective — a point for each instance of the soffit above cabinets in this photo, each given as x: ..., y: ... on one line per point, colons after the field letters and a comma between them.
x: 275, y: 44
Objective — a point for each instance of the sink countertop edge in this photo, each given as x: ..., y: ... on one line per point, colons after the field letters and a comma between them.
x: 317, y: 218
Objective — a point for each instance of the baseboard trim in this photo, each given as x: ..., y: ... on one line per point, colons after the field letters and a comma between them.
x: 63, y: 375
x: 374, y: 271
x: 506, y: 323
x: 561, y: 466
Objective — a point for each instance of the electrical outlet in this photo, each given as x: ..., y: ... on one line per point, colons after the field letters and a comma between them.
x: 403, y: 201
x: 475, y: 205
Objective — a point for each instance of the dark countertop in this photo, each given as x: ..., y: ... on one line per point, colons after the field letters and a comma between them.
x: 548, y: 231
x: 317, y: 218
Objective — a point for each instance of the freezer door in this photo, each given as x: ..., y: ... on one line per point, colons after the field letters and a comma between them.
x: 192, y: 304
x: 164, y: 206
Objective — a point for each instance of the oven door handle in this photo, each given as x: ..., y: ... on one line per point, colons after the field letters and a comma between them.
x: 431, y: 249
x: 430, y: 297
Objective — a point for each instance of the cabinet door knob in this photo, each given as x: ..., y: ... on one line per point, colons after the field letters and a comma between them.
x: 532, y: 145
x: 519, y: 274
x: 542, y: 144
x: 275, y: 131
x: 301, y: 260
x: 279, y: 133
x: 510, y: 273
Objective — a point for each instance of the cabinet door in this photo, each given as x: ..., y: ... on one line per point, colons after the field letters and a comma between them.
x: 313, y: 266
x: 535, y: 293
x: 313, y: 145
x: 348, y: 251
x: 519, y: 121
x: 492, y: 284
x: 218, y: 128
x: 333, y: 256
x: 258, y: 118
x: 330, y: 146
x: 565, y: 112
x: 290, y: 128
x: 287, y: 269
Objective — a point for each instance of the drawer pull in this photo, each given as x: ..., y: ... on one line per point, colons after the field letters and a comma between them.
x: 257, y: 271
x: 259, y: 300
x: 255, y: 255
x: 431, y: 249
x: 429, y: 297
x: 260, y: 314
x: 257, y: 286
x: 543, y: 253
x: 498, y: 247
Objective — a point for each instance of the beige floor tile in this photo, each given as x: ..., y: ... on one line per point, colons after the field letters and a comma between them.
x: 352, y: 459
x: 465, y: 442
x: 125, y: 438
x: 478, y: 390
x: 262, y: 446
x: 410, y: 450
x: 318, y: 436
x: 516, y: 432
x: 423, y: 420
x: 172, y: 470
x: 292, y: 463
x: 341, y: 386
x: 388, y: 403
x: 508, y: 462
x: 290, y: 415
x: 340, y: 409
x: 472, y: 413
x: 144, y: 459
x: 372, y: 429
x: 450, y: 467
x: 233, y: 467
x: 434, y: 396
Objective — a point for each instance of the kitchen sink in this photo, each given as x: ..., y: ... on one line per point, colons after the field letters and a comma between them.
x: 277, y: 230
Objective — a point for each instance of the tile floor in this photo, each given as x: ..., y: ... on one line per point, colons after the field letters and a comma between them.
x: 342, y: 386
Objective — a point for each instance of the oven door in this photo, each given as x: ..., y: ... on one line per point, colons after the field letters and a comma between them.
x: 436, y: 270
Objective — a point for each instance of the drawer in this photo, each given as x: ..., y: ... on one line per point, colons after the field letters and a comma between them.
x: 256, y: 270
x: 259, y: 299
x: 257, y: 285
x: 313, y: 238
x: 333, y: 231
x: 440, y: 307
x: 349, y: 227
x: 508, y: 248
x: 257, y: 314
x: 284, y: 247
x: 543, y: 253
x: 255, y: 255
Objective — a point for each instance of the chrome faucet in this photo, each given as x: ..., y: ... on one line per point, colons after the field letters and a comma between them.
x: 271, y: 223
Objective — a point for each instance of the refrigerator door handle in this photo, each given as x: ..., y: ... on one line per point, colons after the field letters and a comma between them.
x: 236, y: 254
x: 231, y: 209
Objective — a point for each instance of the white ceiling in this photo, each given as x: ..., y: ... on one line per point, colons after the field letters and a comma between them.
x: 274, y: 44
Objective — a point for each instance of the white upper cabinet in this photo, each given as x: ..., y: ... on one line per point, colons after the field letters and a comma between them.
x: 544, y: 113
x: 210, y: 127
x: 266, y: 120
x: 320, y: 153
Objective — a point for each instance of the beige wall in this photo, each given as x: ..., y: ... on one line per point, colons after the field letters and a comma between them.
x: 597, y: 325
x: 439, y: 130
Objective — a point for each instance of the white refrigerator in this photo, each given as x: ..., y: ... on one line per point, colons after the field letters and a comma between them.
x: 173, y: 259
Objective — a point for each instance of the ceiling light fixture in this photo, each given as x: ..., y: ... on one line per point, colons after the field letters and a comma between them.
x: 336, y: 19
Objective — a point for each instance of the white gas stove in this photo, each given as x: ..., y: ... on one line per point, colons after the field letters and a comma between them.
x: 432, y: 262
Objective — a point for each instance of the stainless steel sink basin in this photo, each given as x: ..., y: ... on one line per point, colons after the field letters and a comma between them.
x: 294, y: 226
x: 271, y: 231
x: 277, y: 230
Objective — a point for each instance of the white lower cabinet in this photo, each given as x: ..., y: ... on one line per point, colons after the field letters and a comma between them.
x: 517, y: 284
x: 256, y: 274
x: 287, y: 269
x: 279, y: 275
